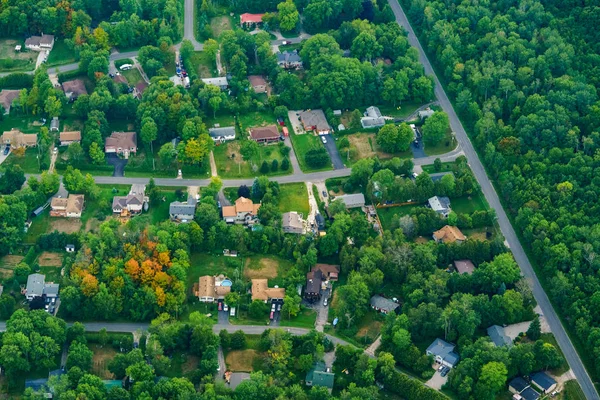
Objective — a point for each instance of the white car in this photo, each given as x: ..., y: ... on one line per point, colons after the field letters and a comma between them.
x: 323, y: 139
x: 226, y: 308
x: 325, y: 302
x: 286, y: 42
x: 415, y: 175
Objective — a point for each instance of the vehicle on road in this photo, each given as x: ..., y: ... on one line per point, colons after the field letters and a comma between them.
x: 286, y: 42
x: 323, y: 139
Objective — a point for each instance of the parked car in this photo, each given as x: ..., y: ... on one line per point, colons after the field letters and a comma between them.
x: 441, y: 367
x: 220, y: 306
x: 225, y: 308
x: 323, y: 139
x: 6, y: 150
x: 325, y: 302
x: 278, y: 307
x: 414, y: 174
x: 286, y: 42
x: 324, y: 193
x: 273, y: 306
x: 416, y: 142
x: 445, y: 371
x: 272, y: 314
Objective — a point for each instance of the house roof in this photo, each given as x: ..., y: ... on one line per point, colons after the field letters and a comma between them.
x: 46, y: 40
x: 265, y: 132
x: 54, y: 124
x: 257, y: 80
x: 75, y: 203
x: 292, y: 220
x: 17, y: 138
x: 262, y: 291
x: 70, y: 136
x: 369, y: 122
x: 382, y: 303
x: 289, y: 57
x: 7, y: 97
x: 352, y: 200
x: 518, y: 384
x: 319, y: 376
x: 124, y: 140
x: 529, y: 394
x: 70, y: 246
x: 243, y: 204
x: 496, y: 333
x: 182, y: 208
x: 36, y: 384
x: 426, y: 113
x: 137, y: 188
x: 542, y: 380
x: 121, y: 202
x: 222, y: 131
x: 449, y: 234
x: 314, y: 118
x: 445, y: 350
x: 439, y: 203
x: 464, y: 266
x: 206, y: 286
x: 313, y: 281
x: 229, y: 211
x: 220, y: 81
x: 327, y: 269
x: 248, y: 18
x: 373, y: 112
x: 58, y: 203
x: 35, y: 284
x: 76, y: 87
x: 51, y: 289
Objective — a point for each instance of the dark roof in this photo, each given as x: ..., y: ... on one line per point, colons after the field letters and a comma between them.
x: 496, y: 333
x: 529, y: 394
x: 70, y: 246
x: 320, y: 221
x: 313, y: 281
x: 222, y: 131
x: 519, y: 384
x: 36, y: 384
x: 543, y: 380
x: 318, y: 376
x: 289, y: 57
x: 382, y: 303
x: 182, y: 208
x: 265, y: 132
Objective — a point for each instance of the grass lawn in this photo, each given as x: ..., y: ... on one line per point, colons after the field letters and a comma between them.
x: 430, y: 169
x: 468, y: 204
x: 364, y: 145
x: 204, y: 66
x: 160, y: 212
x: 10, y: 60
x: 102, y: 356
x: 207, y: 264
x: 306, y: 319
x: 257, y: 118
x: 24, y: 123
x: 29, y: 162
x: 226, y: 119
x: 242, y: 360
x: 302, y: 144
x: 133, y: 76
x: 564, y: 367
x: 52, y: 273
x: 140, y: 166
x: 289, y: 47
x: 182, y: 364
x: 273, y: 268
x: 445, y: 145
x: 203, y: 308
x: 100, y: 208
x: 294, y: 197
x: 39, y: 226
x: 61, y: 54
x: 230, y: 163
x: 572, y: 391
x: 402, y: 111
x: 389, y: 216
x: 220, y: 24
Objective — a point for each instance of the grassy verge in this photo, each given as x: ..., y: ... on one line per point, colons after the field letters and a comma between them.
x: 573, y: 391
x: 61, y: 54
x: 430, y: 169
x: 294, y: 197
x: 305, y: 319
x: 303, y: 143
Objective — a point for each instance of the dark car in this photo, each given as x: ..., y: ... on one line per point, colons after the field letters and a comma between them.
x: 445, y: 371
x: 6, y: 150
x: 324, y: 193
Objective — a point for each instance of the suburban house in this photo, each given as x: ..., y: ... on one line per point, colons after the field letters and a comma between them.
x: 352, y: 200
x: 133, y: 203
x: 443, y: 353
x: 258, y: 83
x: 372, y: 118
x: 314, y: 120
x: 527, y: 394
x: 522, y: 390
x: 320, y: 375
x: 543, y: 381
x: 73, y: 89
x: 426, y: 113
x: 244, y: 211
x: 71, y: 207
x: 383, y: 305
x: 440, y: 205
x: 122, y: 143
x: 289, y: 60
x: 54, y: 124
x: 248, y: 20
x: 68, y: 137
x: 37, y: 287
x: 212, y: 288
x: 220, y: 82
x: 38, y: 43
x: 262, y: 291
x: 7, y: 97
x: 464, y: 266
x: 498, y: 336
x: 183, y: 211
x: 330, y: 272
x: 265, y: 134
x: 220, y: 135
x: 16, y: 139
x: 449, y: 234
x: 292, y: 222
x: 318, y: 279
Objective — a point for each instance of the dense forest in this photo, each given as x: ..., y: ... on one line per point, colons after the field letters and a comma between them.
x: 525, y: 83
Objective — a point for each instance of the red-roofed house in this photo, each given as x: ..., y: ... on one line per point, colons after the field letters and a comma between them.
x: 247, y: 20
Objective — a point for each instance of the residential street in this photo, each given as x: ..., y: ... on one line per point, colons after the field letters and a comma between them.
x: 507, y: 230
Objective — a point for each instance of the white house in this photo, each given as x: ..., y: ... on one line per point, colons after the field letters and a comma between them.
x: 39, y: 43
x: 372, y: 118
x: 222, y: 134
x: 220, y: 82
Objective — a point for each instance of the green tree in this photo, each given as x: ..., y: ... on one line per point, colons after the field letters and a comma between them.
x: 249, y: 149
x: 437, y: 165
x: 288, y: 16
x: 492, y: 380
x: 264, y: 168
x: 535, y: 329
x: 167, y: 154
x: 285, y: 164
x: 393, y: 139
x: 435, y: 127
x: 79, y: 356
x: 291, y: 306
x: 75, y: 152
x: 12, y: 179
x: 211, y: 47
x: 258, y: 309
x: 238, y: 340
x: 7, y: 306
x: 96, y: 153
x: 53, y: 106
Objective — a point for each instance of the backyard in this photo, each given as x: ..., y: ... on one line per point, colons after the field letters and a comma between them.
x: 206, y: 264
x: 364, y: 330
x: 389, y: 216
x: 31, y: 161
x: 133, y: 76
x: 230, y: 163
x: 203, y: 65
x: 294, y: 197
x: 11, y: 60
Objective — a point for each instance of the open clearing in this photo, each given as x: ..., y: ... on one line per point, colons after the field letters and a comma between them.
x: 11, y: 60
x: 220, y: 24
x: 9, y: 261
x: 48, y: 259
x: 66, y: 225
x: 265, y: 268
x: 102, y: 356
x: 364, y: 145
x: 241, y: 360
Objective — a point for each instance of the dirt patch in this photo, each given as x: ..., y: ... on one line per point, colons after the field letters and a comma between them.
x: 102, y: 356
x: 220, y: 24
x: 190, y: 364
x: 371, y: 330
x: 266, y: 269
x: 481, y: 236
x: 241, y: 360
x: 10, y: 261
x: 362, y: 145
x: 92, y: 224
x: 66, y: 225
x: 421, y: 240
x: 6, y: 273
x: 47, y: 259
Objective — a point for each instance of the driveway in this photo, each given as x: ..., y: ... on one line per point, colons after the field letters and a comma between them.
x: 223, y: 316
x: 334, y: 154
x: 295, y: 121
x: 314, y: 208
x: 437, y: 381
x: 322, y: 311
x: 118, y: 163
x: 2, y: 156
x: 418, y: 152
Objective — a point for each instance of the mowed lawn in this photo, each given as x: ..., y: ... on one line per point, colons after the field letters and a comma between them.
x: 61, y: 54
x: 11, y: 60
x: 364, y: 145
x: 446, y: 145
x: 469, y: 204
x: 206, y: 264
x: 230, y: 163
x: 294, y: 197
x: 133, y: 76
x: 302, y: 144
x: 29, y: 162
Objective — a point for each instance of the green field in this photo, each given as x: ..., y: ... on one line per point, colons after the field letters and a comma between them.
x: 257, y: 118
x: 305, y: 319
x: 61, y: 54
x: 29, y: 162
x: 230, y: 163
x: 401, y: 111
x: 24, y: 123
x: 469, y: 204
x: 446, y: 145
x: 572, y: 391
x: 303, y: 143
x: 203, y: 65
x: 10, y: 60
x: 294, y: 197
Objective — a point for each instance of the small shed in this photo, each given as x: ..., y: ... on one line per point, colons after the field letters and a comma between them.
x: 70, y: 248
x: 337, y: 113
x: 37, y: 211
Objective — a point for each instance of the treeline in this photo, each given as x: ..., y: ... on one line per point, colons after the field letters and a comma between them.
x: 529, y: 98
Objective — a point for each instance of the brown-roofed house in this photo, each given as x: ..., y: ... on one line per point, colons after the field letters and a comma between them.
x: 258, y: 83
x: 330, y: 271
x: 73, y: 89
x: 318, y: 278
x: 464, y: 266
x: 15, y: 138
x: 211, y: 288
x: 71, y: 207
x: 449, y: 234
x: 315, y: 120
x: 7, y: 97
x: 265, y: 134
x: 262, y: 291
x: 244, y: 211
x: 68, y: 137
x: 122, y: 143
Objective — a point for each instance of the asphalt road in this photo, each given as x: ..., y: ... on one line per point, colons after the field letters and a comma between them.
x: 188, y: 25
x: 507, y: 230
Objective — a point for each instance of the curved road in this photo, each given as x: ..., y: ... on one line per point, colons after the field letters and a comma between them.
x: 507, y: 230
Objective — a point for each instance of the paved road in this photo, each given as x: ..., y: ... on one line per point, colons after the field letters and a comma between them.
x: 507, y: 230
x: 334, y: 153
x: 188, y: 26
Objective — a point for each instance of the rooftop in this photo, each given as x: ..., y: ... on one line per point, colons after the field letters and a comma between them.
x: 35, y: 284
x: 318, y: 376
x: 76, y: 87
x: 382, y: 303
x: 70, y: 136
x: 496, y: 333
x: 443, y: 349
x: 264, y: 132
x: 449, y: 234
x: 464, y: 266
x: 543, y: 380
x: 220, y: 81
x: 257, y: 80
x: 248, y: 18
x: 7, y: 97
x: 222, y: 131
x: 292, y: 220
x: 352, y: 200
x: 518, y: 384
x: 314, y: 119
x: 262, y: 291
x: 439, y: 203
x: 123, y: 140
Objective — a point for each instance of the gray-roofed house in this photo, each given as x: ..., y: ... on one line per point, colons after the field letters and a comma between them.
x: 443, y: 352
x: 220, y: 82
x: 37, y: 287
x: 372, y: 118
x: 315, y: 120
x: 543, y: 381
x: 54, y: 124
x: 37, y: 43
x: 426, y: 113
x: 440, y: 205
x: 320, y: 375
x: 464, y: 266
x: 529, y: 394
x: 70, y: 248
x: 292, y: 222
x: 133, y: 203
x: 183, y: 211
x: 73, y: 89
x: 383, y: 305
x: 222, y: 134
x: 123, y: 143
x: 498, y: 336
x: 289, y: 60
x: 517, y: 385
x: 352, y: 200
